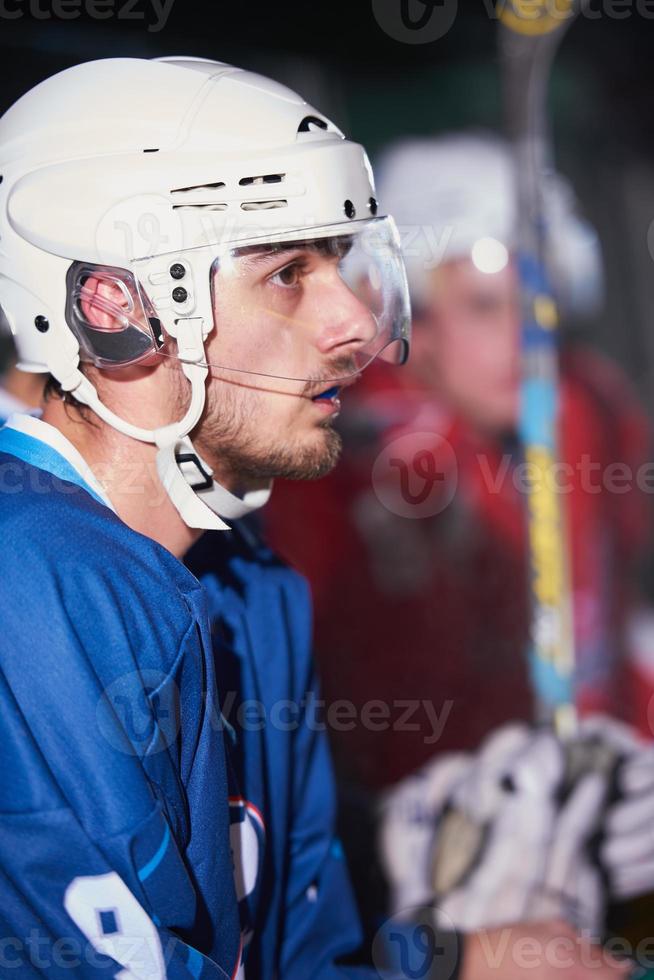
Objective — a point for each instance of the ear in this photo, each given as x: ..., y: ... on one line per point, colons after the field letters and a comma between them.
x: 98, y: 298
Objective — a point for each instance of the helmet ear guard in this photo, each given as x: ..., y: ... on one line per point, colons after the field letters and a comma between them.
x: 123, y: 332
x: 126, y: 332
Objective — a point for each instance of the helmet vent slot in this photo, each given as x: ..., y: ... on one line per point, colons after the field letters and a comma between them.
x: 197, y: 187
x: 264, y: 179
x: 262, y: 205
x: 199, y: 196
x: 218, y: 206
x: 311, y: 123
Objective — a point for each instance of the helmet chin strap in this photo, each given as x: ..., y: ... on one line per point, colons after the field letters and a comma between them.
x: 187, y: 479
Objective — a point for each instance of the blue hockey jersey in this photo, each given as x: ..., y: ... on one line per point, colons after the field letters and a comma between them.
x: 166, y: 806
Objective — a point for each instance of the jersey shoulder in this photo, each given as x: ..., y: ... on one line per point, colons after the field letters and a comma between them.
x: 74, y: 575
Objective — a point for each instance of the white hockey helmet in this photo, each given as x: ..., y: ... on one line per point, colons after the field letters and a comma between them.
x: 455, y: 196
x: 153, y: 174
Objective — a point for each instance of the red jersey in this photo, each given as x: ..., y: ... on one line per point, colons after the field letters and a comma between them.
x: 416, y: 551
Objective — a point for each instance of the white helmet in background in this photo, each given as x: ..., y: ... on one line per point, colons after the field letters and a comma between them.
x: 154, y: 175
x: 455, y: 196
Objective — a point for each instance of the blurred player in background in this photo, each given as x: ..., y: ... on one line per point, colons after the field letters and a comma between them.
x: 416, y: 550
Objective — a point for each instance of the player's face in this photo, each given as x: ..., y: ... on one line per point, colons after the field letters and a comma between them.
x: 282, y: 313
x: 466, y: 342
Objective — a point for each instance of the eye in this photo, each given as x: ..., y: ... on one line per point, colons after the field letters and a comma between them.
x: 288, y: 277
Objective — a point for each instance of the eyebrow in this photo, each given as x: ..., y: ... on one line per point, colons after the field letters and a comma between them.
x: 335, y: 248
x: 256, y: 256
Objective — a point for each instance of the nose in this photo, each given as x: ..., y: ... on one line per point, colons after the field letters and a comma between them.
x: 347, y: 325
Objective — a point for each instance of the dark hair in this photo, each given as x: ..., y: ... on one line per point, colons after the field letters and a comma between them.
x: 52, y: 389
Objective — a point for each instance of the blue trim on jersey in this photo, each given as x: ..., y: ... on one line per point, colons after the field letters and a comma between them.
x: 156, y: 860
x: 194, y: 962
x: 44, y: 457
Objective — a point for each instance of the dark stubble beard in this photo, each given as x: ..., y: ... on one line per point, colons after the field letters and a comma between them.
x: 228, y: 437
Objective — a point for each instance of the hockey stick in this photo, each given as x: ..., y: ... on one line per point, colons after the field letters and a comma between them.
x: 530, y: 33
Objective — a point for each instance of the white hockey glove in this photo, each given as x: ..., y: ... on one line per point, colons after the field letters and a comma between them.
x: 627, y: 848
x: 409, y: 815
x: 412, y: 814
x: 537, y: 809
x: 510, y: 835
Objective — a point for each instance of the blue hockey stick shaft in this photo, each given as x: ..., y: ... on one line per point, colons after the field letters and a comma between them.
x: 529, y: 36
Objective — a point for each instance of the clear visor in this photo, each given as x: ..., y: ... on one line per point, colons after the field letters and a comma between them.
x: 315, y: 304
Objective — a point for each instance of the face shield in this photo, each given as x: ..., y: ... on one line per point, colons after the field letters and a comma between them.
x: 289, y: 307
